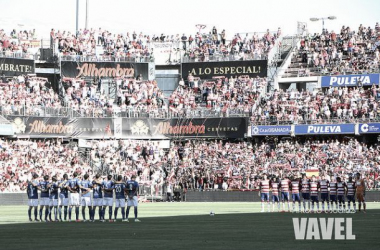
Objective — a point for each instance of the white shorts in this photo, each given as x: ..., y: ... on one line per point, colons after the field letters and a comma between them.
x: 33, y: 202
x: 132, y: 202
x: 63, y: 201
x: 74, y: 199
x: 86, y: 201
x: 97, y: 202
x: 108, y: 202
x: 53, y: 202
x: 44, y: 201
x: 120, y: 203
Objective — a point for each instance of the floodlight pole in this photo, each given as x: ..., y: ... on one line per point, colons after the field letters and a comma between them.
x: 323, y: 20
x: 77, y: 18
x: 86, y: 26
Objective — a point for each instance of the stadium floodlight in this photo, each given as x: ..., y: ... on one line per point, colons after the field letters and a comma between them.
x: 315, y: 19
x: 200, y: 27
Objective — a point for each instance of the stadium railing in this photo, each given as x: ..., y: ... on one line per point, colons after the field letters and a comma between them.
x: 318, y: 121
x: 166, y: 114
x: 223, y: 57
x: 105, y: 58
x: 18, y: 54
x: 35, y: 111
x: 161, y: 113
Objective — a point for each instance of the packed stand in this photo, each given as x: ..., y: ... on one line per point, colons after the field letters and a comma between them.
x: 20, y: 158
x: 221, y: 95
x: 318, y: 106
x: 28, y: 95
x: 101, y: 44
x: 17, y: 43
x: 194, y: 165
x: 332, y: 53
x: 133, y: 97
x: 215, y: 47
x: 208, y: 165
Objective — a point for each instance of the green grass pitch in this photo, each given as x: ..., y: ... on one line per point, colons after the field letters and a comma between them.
x: 183, y: 226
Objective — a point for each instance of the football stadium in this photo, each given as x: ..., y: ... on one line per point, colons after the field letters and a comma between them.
x: 173, y: 125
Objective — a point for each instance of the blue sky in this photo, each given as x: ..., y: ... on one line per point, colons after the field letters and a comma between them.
x: 176, y: 16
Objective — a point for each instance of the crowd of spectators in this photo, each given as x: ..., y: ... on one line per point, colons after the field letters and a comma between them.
x: 133, y: 97
x: 194, y: 165
x: 20, y: 158
x: 214, y: 46
x: 322, y: 106
x: 27, y: 95
x: 346, y: 52
x: 16, y: 43
x: 85, y: 43
x: 31, y: 95
x: 202, y: 47
x: 222, y: 95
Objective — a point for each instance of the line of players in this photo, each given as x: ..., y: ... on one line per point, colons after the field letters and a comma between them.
x: 333, y: 193
x: 68, y: 194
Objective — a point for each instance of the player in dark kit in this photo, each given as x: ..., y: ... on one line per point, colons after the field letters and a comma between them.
x: 54, y: 187
x: 120, y: 188
x: 305, y: 189
x: 314, y: 187
x: 97, y: 196
x: 63, y: 197
x: 295, y: 186
x: 333, y: 193
x: 285, y: 184
x: 85, y: 187
x: 73, y: 187
x: 44, y: 197
x: 32, y: 192
x: 264, y: 192
x: 324, y: 188
x: 275, y: 186
x: 341, y: 191
x: 108, y: 197
x: 132, y: 188
x: 351, y: 188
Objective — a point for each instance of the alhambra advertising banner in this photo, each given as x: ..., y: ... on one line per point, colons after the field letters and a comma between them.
x: 16, y: 67
x: 133, y: 128
x: 207, y: 70
x: 74, y: 69
x: 234, y: 127
x: 52, y: 127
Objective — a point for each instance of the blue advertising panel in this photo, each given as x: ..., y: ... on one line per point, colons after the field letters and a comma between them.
x: 368, y: 128
x: 350, y: 80
x: 271, y: 130
x: 324, y: 129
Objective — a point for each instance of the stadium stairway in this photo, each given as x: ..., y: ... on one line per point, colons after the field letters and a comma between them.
x: 4, y: 120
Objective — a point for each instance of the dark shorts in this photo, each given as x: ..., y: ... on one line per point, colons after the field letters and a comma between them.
x: 285, y: 196
x: 325, y: 197
x: 314, y: 198
x: 264, y: 196
x: 341, y: 198
x: 351, y: 198
x: 306, y: 196
x: 275, y: 198
x: 296, y: 197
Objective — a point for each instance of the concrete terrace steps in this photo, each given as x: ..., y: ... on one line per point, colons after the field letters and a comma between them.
x: 4, y: 120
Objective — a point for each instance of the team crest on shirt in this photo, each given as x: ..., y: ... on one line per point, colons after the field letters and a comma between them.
x: 139, y: 128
